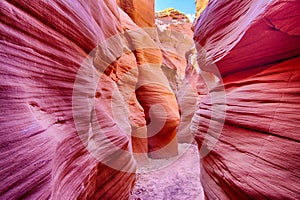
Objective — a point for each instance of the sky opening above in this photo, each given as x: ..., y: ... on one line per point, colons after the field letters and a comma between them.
x: 185, y: 6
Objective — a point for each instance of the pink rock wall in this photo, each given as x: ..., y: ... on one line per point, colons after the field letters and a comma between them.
x: 43, y: 154
x: 255, y: 45
x: 156, y: 97
x: 69, y: 75
x: 187, y: 98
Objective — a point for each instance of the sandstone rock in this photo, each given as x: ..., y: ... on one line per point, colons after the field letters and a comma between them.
x: 174, y: 36
x: 175, y: 20
x: 153, y: 91
x: 200, y: 6
x: 174, y: 46
x: 64, y: 83
x: 179, y: 65
x: 187, y: 98
x: 255, y: 45
x: 127, y: 75
x: 48, y: 138
x: 156, y: 97
x: 140, y: 11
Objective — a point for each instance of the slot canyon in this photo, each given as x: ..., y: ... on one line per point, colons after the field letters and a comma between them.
x: 112, y: 99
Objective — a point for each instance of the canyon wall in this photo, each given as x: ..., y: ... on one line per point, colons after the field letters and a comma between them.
x: 252, y: 49
x: 179, y: 64
x: 140, y: 11
x: 47, y: 123
x: 86, y: 96
x: 72, y: 120
x: 200, y: 6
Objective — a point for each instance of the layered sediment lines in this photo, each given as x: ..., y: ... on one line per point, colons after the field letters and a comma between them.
x: 255, y: 47
x: 72, y: 120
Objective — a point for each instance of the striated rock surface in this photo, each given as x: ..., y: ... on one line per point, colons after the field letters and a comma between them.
x: 156, y: 97
x: 140, y: 11
x: 127, y: 75
x: 255, y: 45
x: 82, y: 95
x: 187, y: 98
x: 179, y: 64
x: 55, y: 114
x: 175, y: 47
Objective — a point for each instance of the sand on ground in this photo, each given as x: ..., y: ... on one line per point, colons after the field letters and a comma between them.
x: 170, y: 179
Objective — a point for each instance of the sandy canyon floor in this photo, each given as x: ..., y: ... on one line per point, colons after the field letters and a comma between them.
x: 173, y: 178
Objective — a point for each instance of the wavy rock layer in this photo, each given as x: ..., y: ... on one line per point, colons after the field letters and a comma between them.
x: 255, y: 45
x: 64, y: 82
x: 49, y: 139
x: 82, y: 94
x: 175, y: 40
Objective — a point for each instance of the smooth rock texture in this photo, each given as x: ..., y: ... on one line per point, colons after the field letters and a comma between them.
x: 127, y: 75
x: 153, y: 91
x: 72, y: 120
x: 179, y: 65
x: 200, y: 6
x: 156, y: 97
x: 255, y: 46
x: 175, y: 45
x: 187, y: 98
x: 140, y: 11
x: 55, y: 113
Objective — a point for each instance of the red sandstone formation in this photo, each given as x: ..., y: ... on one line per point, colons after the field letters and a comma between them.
x: 63, y: 136
x: 84, y: 91
x: 174, y: 36
x: 153, y: 92
x: 156, y: 97
x: 174, y: 46
x: 127, y: 74
x: 187, y: 98
x: 43, y: 154
x: 255, y: 45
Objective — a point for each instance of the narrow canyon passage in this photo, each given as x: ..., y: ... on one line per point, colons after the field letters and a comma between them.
x: 117, y: 99
x: 172, y: 175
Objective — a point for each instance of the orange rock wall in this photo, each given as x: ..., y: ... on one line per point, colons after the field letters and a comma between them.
x: 200, y: 6
x: 140, y: 11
